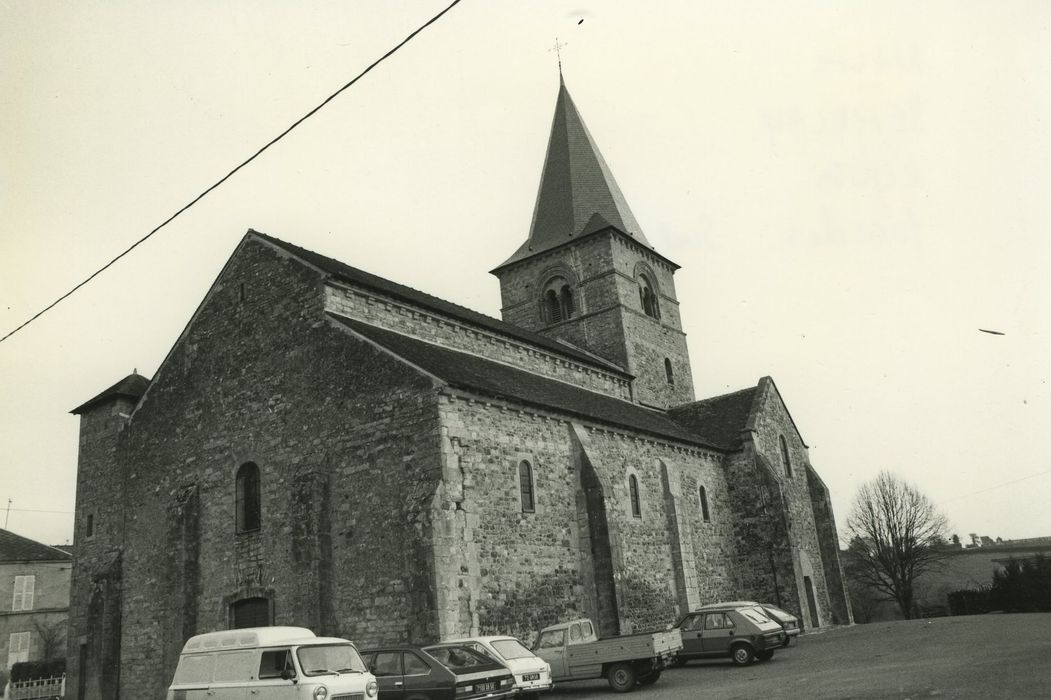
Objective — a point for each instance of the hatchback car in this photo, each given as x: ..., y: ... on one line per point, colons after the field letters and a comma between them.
x: 789, y: 622
x: 742, y: 633
x: 532, y: 674
x: 453, y: 672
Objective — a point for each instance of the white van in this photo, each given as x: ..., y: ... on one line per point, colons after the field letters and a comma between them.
x: 270, y: 663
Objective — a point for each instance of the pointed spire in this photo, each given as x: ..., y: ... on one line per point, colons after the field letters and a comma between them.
x: 576, y: 185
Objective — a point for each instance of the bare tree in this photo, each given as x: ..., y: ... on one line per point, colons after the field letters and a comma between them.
x: 896, y: 534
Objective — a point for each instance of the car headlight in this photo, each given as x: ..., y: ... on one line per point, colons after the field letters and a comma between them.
x: 372, y: 689
x: 320, y: 693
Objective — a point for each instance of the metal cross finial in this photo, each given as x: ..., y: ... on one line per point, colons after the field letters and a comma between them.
x: 557, y: 49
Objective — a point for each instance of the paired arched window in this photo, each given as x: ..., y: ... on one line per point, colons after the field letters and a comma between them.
x: 704, y: 504
x: 248, y: 502
x: 784, y: 455
x: 648, y: 297
x: 525, y: 486
x: 668, y: 370
x: 557, y: 301
x: 633, y: 493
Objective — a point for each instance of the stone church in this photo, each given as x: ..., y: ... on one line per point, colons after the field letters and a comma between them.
x: 328, y: 448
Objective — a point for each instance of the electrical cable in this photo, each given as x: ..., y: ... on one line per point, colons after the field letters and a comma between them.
x: 226, y: 177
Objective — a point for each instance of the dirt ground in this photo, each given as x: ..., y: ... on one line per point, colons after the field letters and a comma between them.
x: 981, y: 656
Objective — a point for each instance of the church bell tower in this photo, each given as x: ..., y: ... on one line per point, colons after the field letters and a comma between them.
x: 588, y: 275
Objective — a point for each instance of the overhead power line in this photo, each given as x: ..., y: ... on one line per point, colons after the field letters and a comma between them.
x: 995, y: 486
x: 230, y: 174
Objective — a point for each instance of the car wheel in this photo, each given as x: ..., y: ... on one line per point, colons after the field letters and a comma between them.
x: 788, y: 640
x: 765, y: 654
x: 677, y: 662
x: 649, y: 678
x: 742, y: 654
x: 621, y: 678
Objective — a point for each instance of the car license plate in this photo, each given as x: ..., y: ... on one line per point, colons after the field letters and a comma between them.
x: 531, y: 677
x: 486, y: 687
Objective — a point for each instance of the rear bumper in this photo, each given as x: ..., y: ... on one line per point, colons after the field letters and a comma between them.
x: 534, y: 686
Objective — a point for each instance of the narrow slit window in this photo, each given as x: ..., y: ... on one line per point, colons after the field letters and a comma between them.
x: 784, y: 456
x: 248, y: 500
x: 703, y: 493
x: 668, y: 371
x: 525, y: 485
x: 636, y: 503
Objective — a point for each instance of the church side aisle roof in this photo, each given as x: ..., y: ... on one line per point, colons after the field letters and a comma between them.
x: 496, y: 379
x: 719, y: 419
x: 353, y: 275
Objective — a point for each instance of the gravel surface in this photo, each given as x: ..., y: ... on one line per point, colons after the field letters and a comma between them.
x: 981, y: 656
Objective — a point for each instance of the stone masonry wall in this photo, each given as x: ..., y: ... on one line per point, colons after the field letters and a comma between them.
x: 427, y: 325
x: 646, y: 583
x: 100, y: 494
x: 506, y: 571
x: 772, y: 421
x: 828, y: 539
x: 764, y: 565
x: 346, y: 440
x: 603, y: 271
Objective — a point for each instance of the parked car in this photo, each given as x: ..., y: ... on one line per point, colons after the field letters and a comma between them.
x: 452, y: 672
x: 532, y: 674
x: 789, y: 622
x: 741, y: 632
x: 575, y: 653
x: 272, y: 662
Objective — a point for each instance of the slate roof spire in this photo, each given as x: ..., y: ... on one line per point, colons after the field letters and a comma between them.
x: 576, y: 187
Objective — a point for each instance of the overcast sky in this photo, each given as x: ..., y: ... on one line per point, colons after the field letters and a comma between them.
x: 852, y: 190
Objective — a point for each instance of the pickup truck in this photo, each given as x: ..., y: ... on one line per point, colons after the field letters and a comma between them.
x: 575, y: 653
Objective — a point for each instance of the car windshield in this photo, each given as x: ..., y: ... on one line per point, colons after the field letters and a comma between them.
x: 754, y: 614
x: 318, y: 659
x: 771, y: 610
x: 460, y: 657
x: 511, y: 649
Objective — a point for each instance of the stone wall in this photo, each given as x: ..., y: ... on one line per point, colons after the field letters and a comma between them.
x: 96, y: 558
x: 396, y: 315
x: 603, y: 271
x: 764, y: 565
x: 506, y: 571
x: 772, y: 421
x: 828, y: 539
x: 347, y: 443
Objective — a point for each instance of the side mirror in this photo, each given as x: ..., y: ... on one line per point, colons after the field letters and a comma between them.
x: 288, y: 674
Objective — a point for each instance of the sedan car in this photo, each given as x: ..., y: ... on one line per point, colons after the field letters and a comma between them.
x: 454, y: 672
x: 532, y: 674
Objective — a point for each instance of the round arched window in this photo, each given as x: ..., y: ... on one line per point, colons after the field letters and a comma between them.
x: 648, y: 297
x: 556, y: 300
